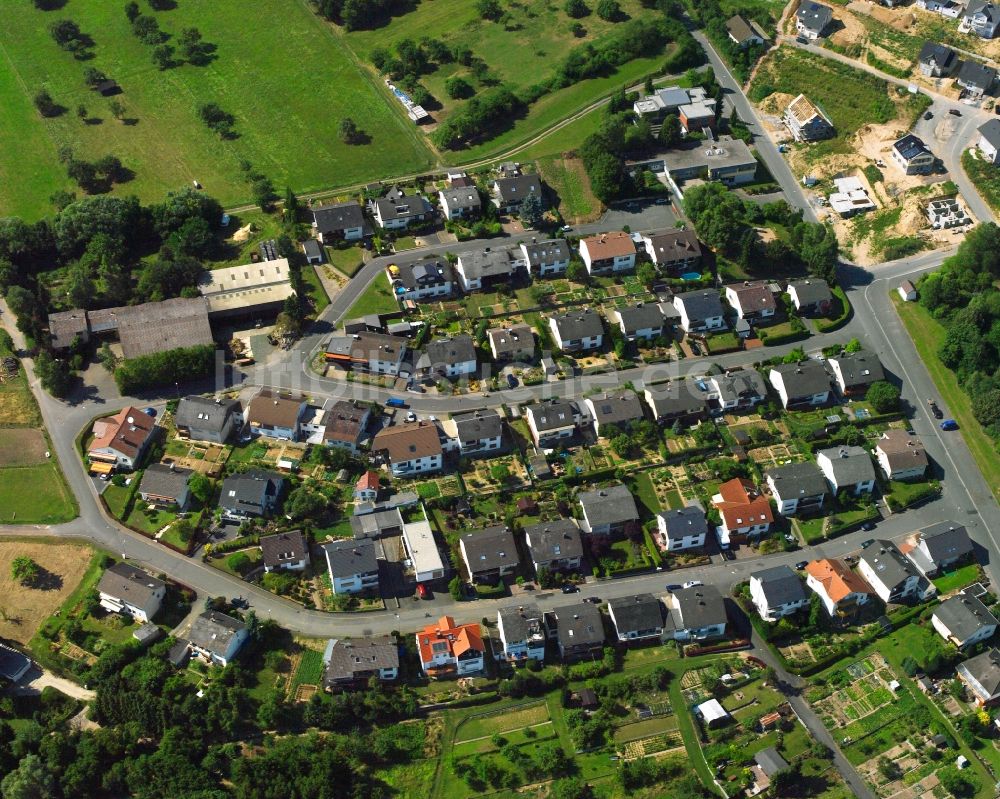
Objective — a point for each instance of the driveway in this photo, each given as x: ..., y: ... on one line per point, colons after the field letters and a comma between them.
x: 38, y: 678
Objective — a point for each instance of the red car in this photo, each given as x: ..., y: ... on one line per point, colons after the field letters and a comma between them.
x: 423, y: 591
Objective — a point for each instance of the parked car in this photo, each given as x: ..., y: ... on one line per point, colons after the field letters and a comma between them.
x: 569, y: 588
x: 423, y: 591
x: 949, y: 424
x: 868, y: 543
x: 239, y: 602
x: 868, y: 526
x: 693, y: 583
x: 928, y: 115
x: 593, y: 600
x: 801, y: 565
x: 411, y: 417
x: 674, y: 587
x: 511, y: 381
x: 955, y: 112
x: 566, y: 228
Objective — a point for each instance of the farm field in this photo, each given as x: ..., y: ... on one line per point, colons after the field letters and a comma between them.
x: 24, y: 609
x: 286, y: 108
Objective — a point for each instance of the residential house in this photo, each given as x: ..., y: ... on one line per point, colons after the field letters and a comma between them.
x: 777, y: 592
x: 698, y: 117
x: 217, y: 637
x: 636, y: 618
x: 642, y: 321
x: 508, y: 193
x: 211, y: 419
x: 976, y: 79
x: 746, y: 513
x: 13, y: 664
x: 939, y: 546
x: 912, y: 156
x: 422, y: 551
x: 67, y: 327
x: 841, y: 591
x: 447, y: 649
x: 288, y: 551
x: 850, y: 197
x: 811, y: 296
x: 489, y: 554
x: 121, y: 441
x: 608, y: 253
x: 312, y: 250
x: 805, y: 383
x: 367, y: 487
x: 398, y: 210
x: 906, y: 290
x: 276, y: 415
x: 726, y: 160
x: 982, y: 18
x: 460, y: 202
x: 736, y: 390
x: 964, y: 620
x: 854, y: 372
x: 806, y: 122
x: 338, y: 222
x: 681, y: 528
x: 812, y: 19
x: 847, y: 468
x: 752, y: 300
x: 743, y: 33
x: 352, y: 564
x: 767, y: 763
x: 989, y: 140
x: 514, y: 343
x: 165, y: 486
x: 981, y: 675
x: 488, y: 267
x: 797, y: 487
x: 607, y: 511
x: 548, y: 257
x: 617, y: 411
x: 700, y: 311
x: 522, y: 633
x: 554, y: 545
x: 893, y: 577
x: 409, y: 449
x: 901, y: 455
x: 676, y: 402
x: 577, y: 331
x: 950, y: 9
x: 384, y: 523
x: 352, y: 662
x: 125, y: 589
x: 550, y: 422
x: 936, y: 60
x: 695, y: 614
x: 577, y: 629
x: 365, y: 351
x: 675, y: 251
x: 252, y: 494
x: 448, y: 357
x: 345, y: 424
x: 426, y: 279
x: 478, y: 432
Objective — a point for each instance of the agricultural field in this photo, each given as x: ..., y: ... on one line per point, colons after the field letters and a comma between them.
x: 286, y: 114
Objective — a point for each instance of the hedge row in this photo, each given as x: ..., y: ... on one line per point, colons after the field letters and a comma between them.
x: 835, y: 324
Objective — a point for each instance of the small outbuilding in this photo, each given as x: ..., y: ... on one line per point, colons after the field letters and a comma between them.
x: 907, y: 291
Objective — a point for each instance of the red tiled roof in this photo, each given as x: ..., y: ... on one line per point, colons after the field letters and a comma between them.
x: 743, y: 505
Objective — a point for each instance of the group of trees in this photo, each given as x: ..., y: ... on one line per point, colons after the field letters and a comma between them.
x: 712, y: 19
x: 362, y: 14
x: 165, y: 368
x: 146, y: 28
x: 94, y: 177
x: 67, y: 34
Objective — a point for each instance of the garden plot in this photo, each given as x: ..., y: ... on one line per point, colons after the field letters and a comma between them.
x: 503, y: 721
x: 773, y: 455
x: 867, y: 694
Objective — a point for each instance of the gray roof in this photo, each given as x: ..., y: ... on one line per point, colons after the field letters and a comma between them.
x: 312, y: 248
x: 740, y: 383
x: 610, y: 505
x: 337, y: 217
x: 990, y: 131
x: 488, y: 262
x: 984, y: 7
x: 859, y: 369
x: 554, y: 540
x: 243, y: 491
x: 123, y: 581
x: 976, y: 75
x: 521, y: 622
x: 667, y: 246
x: 910, y: 147
x: 401, y: 206
x: 641, y: 316
x: 490, y: 548
x: 701, y: 305
x: 540, y: 253
x: 65, y: 326
x: 675, y: 399
x: 770, y: 761
x: 888, y: 563
x: 12, y: 662
x: 578, y: 625
x: 697, y: 607
x: 622, y: 407
x: 780, y: 585
x: 797, y: 480
x: 811, y: 291
x: 814, y: 15
x: 425, y: 272
x: 347, y: 558
x: 465, y: 197
x: 516, y: 338
x: 146, y: 633
x: 477, y: 425
x: 283, y: 548
x: 964, y: 615
x: 740, y: 29
x: 985, y: 670
x: 213, y: 631
x: 345, y: 421
x: 209, y: 414
x: 639, y: 612
x: 946, y: 541
x: 687, y: 521
x: 803, y: 379
x: 552, y: 415
x: 448, y: 351
x: 378, y: 523
x: 161, y: 326
x: 850, y: 464
x: 161, y: 480
x: 579, y: 324
x: 515, y: 189
x: 346, y: 657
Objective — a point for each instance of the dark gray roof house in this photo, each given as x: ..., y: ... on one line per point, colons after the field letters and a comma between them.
x: 800, y: 381
x: 165, y: 483
x: 637, y: 616
x: 313, y: 251
x: 811, y: 293
x: 814, y: 17
x: 284, y: 549
x: 673, y: 246
x: 447, y: 352
x: 213, y: 632
x: 796, y: 481
x: 476, y: 426
x: 377, y: 524
x: 578, y: 629
x: 134, y: 586
x: 397, y: 205
x: 621, y: 409
x: 685, y: 522
x: 543, y: 253
x: 675, y: 401
x: 936, y: 59
x: 990, y: 131
x: 488, y: 551
x: 613, y: 506
x: 982, y: 674
x: 856, y: 371
x: 511, y: 191
x: 463, y: 199
x: 639, y: 317
x: 780, y: 586
x: 338, y: 217
x: 13, y: 664
x: 251, y: 493
x: 770, y: 761
x: 348, y: 558
x: 946, y: 542
x: 965, y: 618
x: 701, y: 305
x: 555, y: 540
x: 350, y: 660
x: 700, y: 611
x: 578, y: 325
x: 975, y: 76
x: 207, y: 418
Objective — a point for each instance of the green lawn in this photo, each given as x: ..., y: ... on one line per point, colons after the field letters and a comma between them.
x: 35, y: 495
x: 927, y: 333
x: 566, y: 138
x: 959, y: 578
x: 347, y: 260
x: 317, y: 294
x: 646, y: 494
x: 377, y: 298
x: 286, y: 93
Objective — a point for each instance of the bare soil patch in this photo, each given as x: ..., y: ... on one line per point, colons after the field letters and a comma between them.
x: 22, y: 447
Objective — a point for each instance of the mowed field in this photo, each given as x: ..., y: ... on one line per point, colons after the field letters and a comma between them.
x: 24, y: 609
x: 278, y: 68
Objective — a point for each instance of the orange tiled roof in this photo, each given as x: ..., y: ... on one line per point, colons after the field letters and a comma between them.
x: 125, y: 432
x: 837, y: 580
x: 459, y: 637
x: 743, y: 505
x: 368, y: 481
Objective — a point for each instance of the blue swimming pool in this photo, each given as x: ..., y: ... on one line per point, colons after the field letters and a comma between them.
x: 691, y: 276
